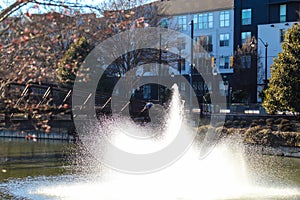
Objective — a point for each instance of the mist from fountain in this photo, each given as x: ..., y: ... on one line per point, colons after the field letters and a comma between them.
x: 223, y: 174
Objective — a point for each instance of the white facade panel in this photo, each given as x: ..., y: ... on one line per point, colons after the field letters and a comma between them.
x: 217, y: 50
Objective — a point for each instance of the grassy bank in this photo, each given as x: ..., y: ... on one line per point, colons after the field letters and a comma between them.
x: 267, y: 132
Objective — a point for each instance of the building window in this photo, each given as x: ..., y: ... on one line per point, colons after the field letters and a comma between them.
x: 210, y: 20
x: 246, y: 16
x: 224, y: 40
x: 246, y: 62
x: 196, y: 21
x: 182, y: 25
x: 245, y: 36
x: 206, y: 42
x: 203, y: 21
x: 224, y: 18
x: 224, y: 62
x: 283, y: 13
x: 282, y: 32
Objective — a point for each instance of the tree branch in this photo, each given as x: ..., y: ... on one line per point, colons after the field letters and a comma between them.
x: 63, y: 4
x: 12, y: 8
x: 20, y: 3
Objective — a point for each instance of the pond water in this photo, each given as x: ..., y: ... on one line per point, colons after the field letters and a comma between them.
x: 41, y: 171
x: 53, y: 170
x: 20, y: 158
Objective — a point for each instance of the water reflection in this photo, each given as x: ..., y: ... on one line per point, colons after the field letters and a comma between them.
x: 270, y: 170
x: 20, y: 158
x: 44, y: 169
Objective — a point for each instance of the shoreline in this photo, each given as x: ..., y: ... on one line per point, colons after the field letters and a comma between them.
x: 269, y: 136
x: 37, y: 135
x: 281, y: 151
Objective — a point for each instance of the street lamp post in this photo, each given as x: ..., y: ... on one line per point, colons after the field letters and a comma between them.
x: 179, y: 61
x: 192, y: 65
x: 159, y: 69
x: 252, y: 44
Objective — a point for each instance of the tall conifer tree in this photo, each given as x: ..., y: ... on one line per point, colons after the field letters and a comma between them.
x: 283, y: 92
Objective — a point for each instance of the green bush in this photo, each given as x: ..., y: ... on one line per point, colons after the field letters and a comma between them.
x: 261, y: 121
x: 236, y: 131
x: 285, y: 127
x: 203, y: 129
x: 253, y: 130
x: 243, y: 123
x: 242, y: 131
x: 236, y: 123
x: 288, y: 138
x: 222, y: 131
x: 268, y: 127
x: 257, y: 135
x: 277, y: 121
x: 253, y: 124
x: 228, y: 123
x: 285, y: 121
x: 273, y: 128
x: 232, y: 131
x: 270, y: 121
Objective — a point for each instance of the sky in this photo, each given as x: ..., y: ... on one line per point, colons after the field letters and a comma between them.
x: 6, y: 3
x: 2, y: 4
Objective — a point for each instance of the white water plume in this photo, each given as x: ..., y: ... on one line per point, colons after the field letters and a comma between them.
x: 223, y: 174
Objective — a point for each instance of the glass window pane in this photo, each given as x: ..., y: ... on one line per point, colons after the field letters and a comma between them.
x: 222, y: 62
x: 227, y: 16
x: 226, y: 66
x: 224, y: 18
x: 195, y: 19
x: 246, y: 16
x: 224, y: 39
x: 283, y: 13
x: 283, y: 9
x: 245, y: 35
x: 282, y: 32
x: 182, y: 25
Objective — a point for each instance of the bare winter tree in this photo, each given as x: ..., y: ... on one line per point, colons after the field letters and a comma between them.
x: 36, y: 34
x: 244, y: 65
